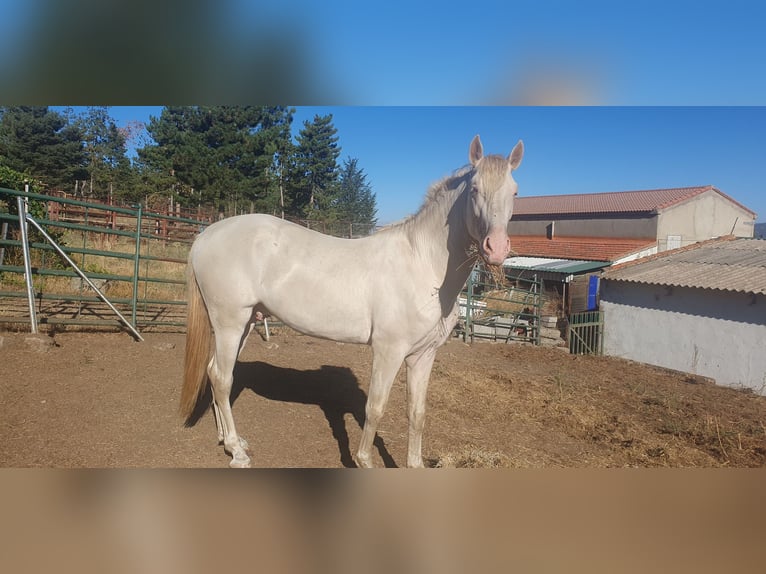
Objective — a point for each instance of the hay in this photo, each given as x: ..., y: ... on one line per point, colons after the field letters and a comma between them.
x: 501, y: 301
x: 473, y: 457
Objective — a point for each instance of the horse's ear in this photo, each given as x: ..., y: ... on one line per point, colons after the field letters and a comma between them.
x: 476, y: 151
x: 514, y: 158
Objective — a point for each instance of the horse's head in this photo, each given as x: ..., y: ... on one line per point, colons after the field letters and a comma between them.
x: 490, y: 200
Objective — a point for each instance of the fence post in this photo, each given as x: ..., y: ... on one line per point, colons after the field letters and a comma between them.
x: 3, y: 236
x: 468, y: 307
x: 22, y: 205
x: 538, y: 287
x: 134, y: 300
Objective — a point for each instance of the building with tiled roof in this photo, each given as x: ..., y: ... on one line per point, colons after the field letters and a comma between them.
x: 569, y: 238
x: 606, y: 226
x: 700, y: 309
x: 644, y: 201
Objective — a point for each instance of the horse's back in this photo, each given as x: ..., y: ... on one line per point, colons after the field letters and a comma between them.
x: 318, y: 284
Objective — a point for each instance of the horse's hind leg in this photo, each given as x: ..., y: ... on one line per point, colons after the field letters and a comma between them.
x: 216, y: 410
x: 228, y: 342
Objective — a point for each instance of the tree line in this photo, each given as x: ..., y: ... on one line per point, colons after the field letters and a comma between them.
x: 234, y: 159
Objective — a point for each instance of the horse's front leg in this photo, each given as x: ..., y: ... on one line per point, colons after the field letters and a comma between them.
x: 385, y: 365
x: 418, y: 373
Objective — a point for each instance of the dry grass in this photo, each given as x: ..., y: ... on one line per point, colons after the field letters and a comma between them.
x: 554, y: 409
x: 472, y: 457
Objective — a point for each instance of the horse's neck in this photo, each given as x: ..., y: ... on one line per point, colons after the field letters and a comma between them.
x: 440, y: 240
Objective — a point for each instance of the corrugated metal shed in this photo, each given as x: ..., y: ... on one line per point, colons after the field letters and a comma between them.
x: 556, y: 269
x: 726, y: 263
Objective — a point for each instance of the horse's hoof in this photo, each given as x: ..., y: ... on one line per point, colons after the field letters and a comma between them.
x: 240, y: 462
x: 363, y: 462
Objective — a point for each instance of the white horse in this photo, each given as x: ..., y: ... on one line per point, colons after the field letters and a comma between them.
x: 395, y: 290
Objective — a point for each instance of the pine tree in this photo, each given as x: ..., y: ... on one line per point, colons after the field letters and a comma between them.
x: 356, y: 202
x: 108, y: 167
x: 41, y: 142
x: 220, y: 155
x: 165, y: 162
x: 313, y: 173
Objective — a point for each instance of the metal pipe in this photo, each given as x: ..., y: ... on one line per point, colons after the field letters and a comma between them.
x: 3, y: 236
x: 469, y: 307
x: 22, y: 205
x: 84, y: 277
x: 134, y: 302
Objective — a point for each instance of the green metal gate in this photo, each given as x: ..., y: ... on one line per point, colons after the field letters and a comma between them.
x: 586, y: 333
x: 503, y: 308
x: 138, y: 258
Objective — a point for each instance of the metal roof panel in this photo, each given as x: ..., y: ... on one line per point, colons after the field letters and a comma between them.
x: 726, y: 264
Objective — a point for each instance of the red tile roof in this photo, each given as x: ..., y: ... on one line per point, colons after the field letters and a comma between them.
x: 587, y: 248
x: 647, y: 201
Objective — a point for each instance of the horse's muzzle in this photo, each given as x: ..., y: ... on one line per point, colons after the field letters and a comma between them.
x: 495, y: 248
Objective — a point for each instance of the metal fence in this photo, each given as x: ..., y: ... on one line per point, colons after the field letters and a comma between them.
x: 506, y: 308
x: 586, y: 333
x: 137, y: 259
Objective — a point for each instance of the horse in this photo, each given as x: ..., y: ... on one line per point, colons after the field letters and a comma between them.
x: 395, y: 290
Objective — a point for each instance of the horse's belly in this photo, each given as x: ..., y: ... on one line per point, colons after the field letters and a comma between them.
x: 341, y: 326
x: 317, y: 308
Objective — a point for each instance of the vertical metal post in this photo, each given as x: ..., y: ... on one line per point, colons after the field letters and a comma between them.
x: 469, y: 307
x: 538, y: 286
x: 134, y: 302
x: 3, y: 236
x: 22, y: 205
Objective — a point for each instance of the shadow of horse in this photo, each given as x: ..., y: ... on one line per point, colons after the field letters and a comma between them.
x: 333, y: 389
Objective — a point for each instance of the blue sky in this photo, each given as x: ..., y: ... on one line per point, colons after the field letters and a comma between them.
x: 600, y: 52
x: 568, y: 149
x: 651, y: 52
x: 497, y: 54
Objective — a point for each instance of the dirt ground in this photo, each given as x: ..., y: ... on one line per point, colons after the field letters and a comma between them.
x: 102, y: 400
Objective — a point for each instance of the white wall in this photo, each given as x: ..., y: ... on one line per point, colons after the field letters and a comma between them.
x: 645, y: 253
x: 717, y: 334
x: 703, y: 217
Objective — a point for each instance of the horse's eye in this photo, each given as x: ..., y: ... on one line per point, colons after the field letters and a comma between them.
x: 474, y: 190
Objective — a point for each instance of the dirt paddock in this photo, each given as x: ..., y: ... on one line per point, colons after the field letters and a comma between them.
x: 102, y: 400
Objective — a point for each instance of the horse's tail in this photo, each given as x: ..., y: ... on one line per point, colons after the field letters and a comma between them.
x: 199, y: 335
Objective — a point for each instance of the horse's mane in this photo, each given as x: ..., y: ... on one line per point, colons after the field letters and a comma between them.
x: 436, y: 193
x: 449, y: 183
